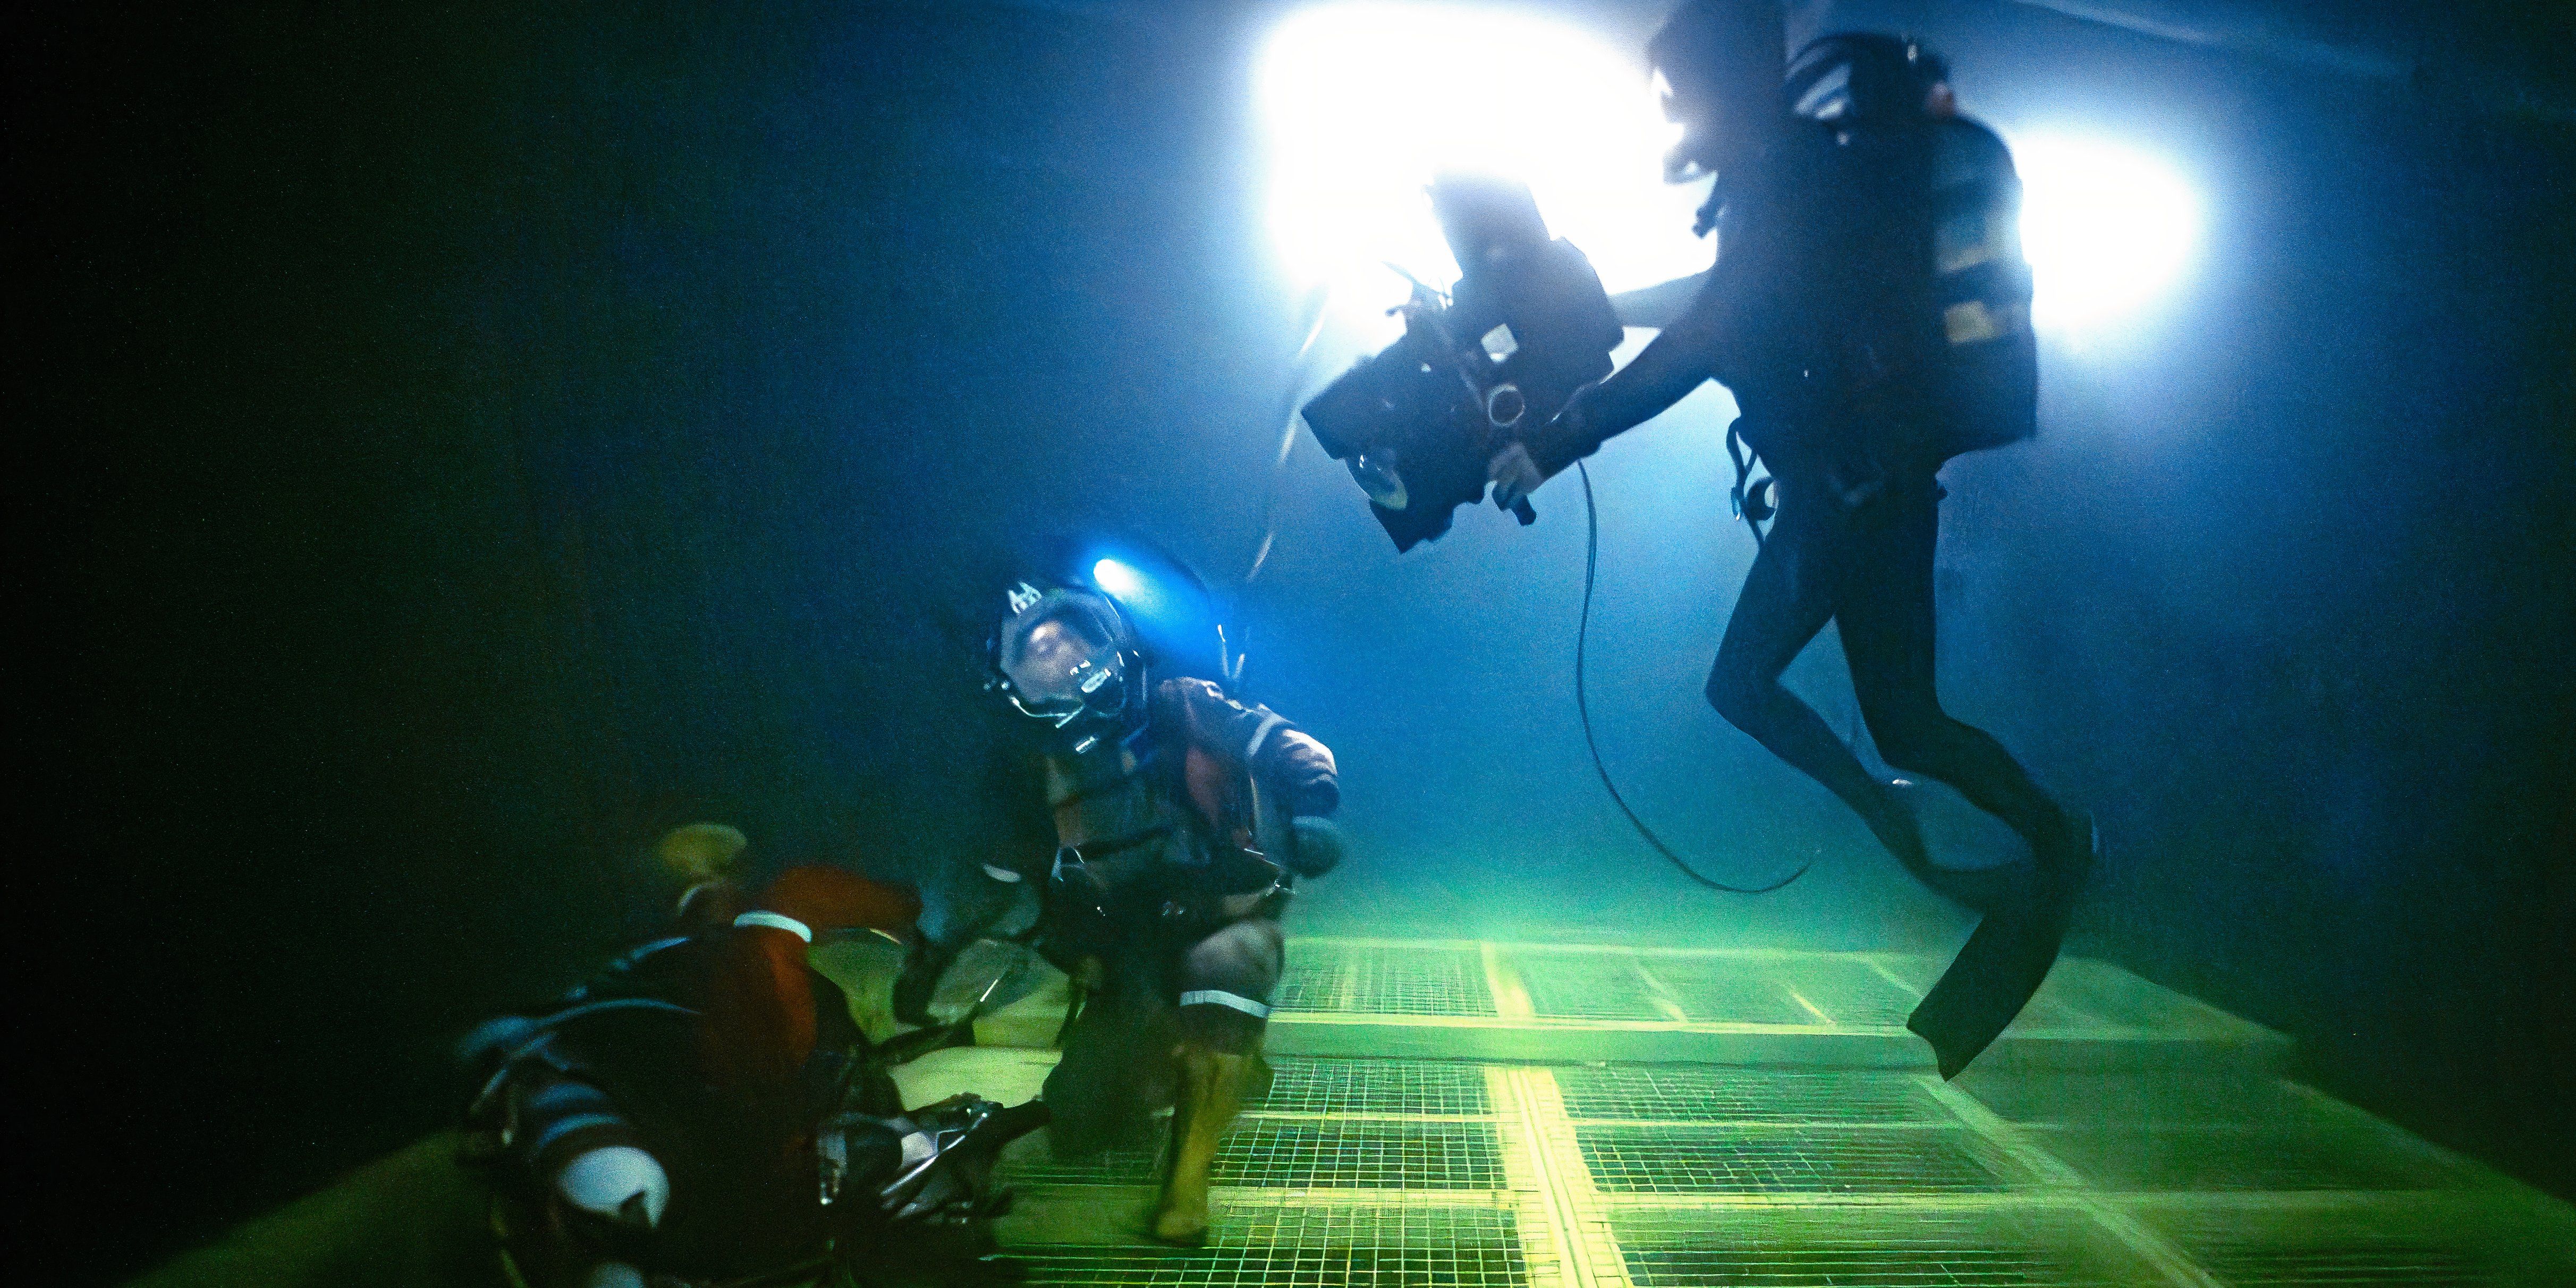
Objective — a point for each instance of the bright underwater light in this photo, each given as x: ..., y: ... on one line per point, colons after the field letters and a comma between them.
x: 2106, y: 228
x: 1365, y: 102
x: 1121, y: 581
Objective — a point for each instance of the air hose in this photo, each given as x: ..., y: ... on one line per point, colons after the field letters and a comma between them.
x: 1583, y: 707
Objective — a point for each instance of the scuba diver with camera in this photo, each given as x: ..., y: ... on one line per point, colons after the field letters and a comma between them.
x: 1869, y: 309
x: 705, y: 1112
x: 1171, y: 823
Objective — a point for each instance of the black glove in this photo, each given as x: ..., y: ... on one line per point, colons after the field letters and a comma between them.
x: 1319, y: 845
x: 1543, y: 452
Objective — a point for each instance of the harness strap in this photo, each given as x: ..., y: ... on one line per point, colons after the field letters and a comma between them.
x: 1748, y: 502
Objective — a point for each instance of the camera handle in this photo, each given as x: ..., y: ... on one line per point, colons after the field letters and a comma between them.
x: 1504, y: 405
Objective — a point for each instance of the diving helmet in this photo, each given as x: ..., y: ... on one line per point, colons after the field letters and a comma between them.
x: 1067, y: 656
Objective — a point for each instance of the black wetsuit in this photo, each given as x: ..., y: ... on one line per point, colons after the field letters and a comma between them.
x: 1869, y: 310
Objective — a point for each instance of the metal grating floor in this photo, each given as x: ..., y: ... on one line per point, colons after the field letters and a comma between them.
x: 1850, y: 992
x: 2361, y: 1246
x: 1386, y: 981
x: 1361, y: 1154
x: 2202, y: 1158
x: 1602, y: 986
x: 1689, y: 1160
x: 1312, y: 1248
x: 1867, y: 1247
x: 1725, y: 990
x: 1109, y: 1167
x: 2396, y: 1265
x: 1567, y: 1172
x: 1859, y: 1264
x: 1709, y: 1093
x: 1438, y: 1088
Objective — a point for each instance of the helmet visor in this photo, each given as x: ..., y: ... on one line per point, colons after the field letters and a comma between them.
x: 1061, y: 654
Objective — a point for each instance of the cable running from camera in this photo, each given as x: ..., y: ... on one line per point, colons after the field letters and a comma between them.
x: 1583, y: 708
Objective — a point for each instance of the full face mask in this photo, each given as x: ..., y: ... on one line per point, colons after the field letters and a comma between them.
x: 1059, y: 656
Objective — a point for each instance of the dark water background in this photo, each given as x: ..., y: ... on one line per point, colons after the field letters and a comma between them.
x: 486, y: 437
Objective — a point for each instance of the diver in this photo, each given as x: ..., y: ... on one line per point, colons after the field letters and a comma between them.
x: 1170, y: 823
x: 1870, y: 311
x: 705, y: 1110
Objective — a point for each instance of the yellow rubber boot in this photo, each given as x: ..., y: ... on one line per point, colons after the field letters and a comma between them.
x: 1211, y: 1092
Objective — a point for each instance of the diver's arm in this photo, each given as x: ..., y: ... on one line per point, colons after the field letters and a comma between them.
x: 1256, y: 740
x: 1678, y: 360
x: 1674, y: 363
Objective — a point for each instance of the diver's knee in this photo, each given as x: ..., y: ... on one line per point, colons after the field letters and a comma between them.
x: 1735, y: 695
x: 1911, y: 739
x: 1226, y: 980
x: 1246, y: 957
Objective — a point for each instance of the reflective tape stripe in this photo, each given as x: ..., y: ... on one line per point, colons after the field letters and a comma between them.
x: 1219, y: 997
x: 775, y: 921
x: 999, y: 873
x: 563, y: 1127
x: 1262, y: 734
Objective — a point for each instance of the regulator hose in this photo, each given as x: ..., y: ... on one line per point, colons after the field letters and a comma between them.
x: 1583, y: 707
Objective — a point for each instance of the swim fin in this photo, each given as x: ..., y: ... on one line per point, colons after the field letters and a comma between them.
x: 2006, y: 960
x: 1989, y: 982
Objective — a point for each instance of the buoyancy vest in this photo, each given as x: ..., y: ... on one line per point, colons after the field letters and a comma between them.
x: 1874, y: 296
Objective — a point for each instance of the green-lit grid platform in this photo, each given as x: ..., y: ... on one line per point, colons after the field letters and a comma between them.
x: 1514, y: 1114
x: 1572, y: 1003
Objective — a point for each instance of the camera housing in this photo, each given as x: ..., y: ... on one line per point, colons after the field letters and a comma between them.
x: 1526, y: 326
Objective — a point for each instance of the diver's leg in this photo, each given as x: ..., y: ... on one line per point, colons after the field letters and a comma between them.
x: 1889, y: 633
x: 1886, y: 615
x: 1787, y: 597
x: 1100, y: 1093
x: 1225, y: 982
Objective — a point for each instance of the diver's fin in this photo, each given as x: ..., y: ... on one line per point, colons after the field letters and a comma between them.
x: 2009, y: 956
x: 1989, y: 982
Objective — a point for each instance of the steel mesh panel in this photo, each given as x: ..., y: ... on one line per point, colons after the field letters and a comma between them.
x: 2370, y: 1244
x: 1586, y: 986
x: 1362, y: 1154
x: 1374, y: 1087
x: 2226, y: 1158
x: 1299, y: 1247
x: 1684, y: 1160
x: 1707, y: 1093
x: 1139, y: 1165
x: 1385, y: 981
x: 1889, y: 1249
x: 2392, y: 1264
x: 1849, y: 992
x: 1860, y: 1265
x: 2142, y: 1100
x: 1726, y: 989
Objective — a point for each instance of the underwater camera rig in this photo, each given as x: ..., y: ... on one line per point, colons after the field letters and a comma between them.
x: 1527, y: 325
